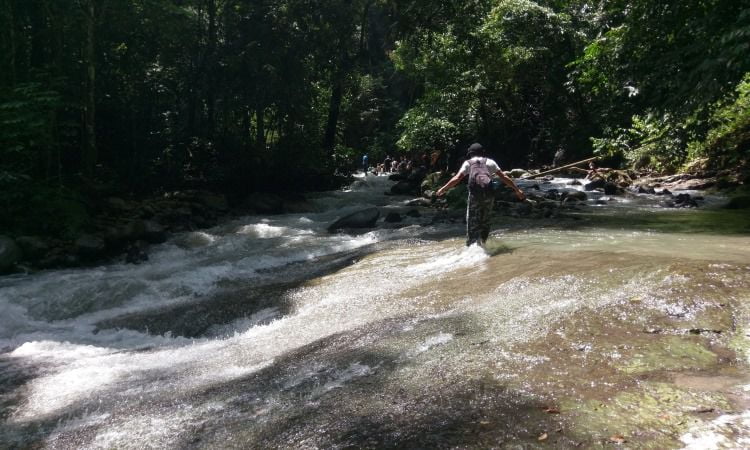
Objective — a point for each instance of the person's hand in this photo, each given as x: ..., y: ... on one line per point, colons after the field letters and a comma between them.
x: 521, y: 195
x: 440, y: 192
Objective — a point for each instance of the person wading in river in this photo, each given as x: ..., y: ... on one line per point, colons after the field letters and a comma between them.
x: 479, y: 169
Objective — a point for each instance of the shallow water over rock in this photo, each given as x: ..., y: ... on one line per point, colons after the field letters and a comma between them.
x: 602, y: 327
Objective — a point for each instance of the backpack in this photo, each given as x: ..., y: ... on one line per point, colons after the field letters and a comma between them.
x: 480, y: 179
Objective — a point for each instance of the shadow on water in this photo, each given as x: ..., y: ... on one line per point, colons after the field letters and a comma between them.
x: 371, y: 387
x: 395, y: 397
x: 495, y: 248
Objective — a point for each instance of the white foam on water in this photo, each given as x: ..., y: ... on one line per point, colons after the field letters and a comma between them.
x: 265, y: 231
x: 243, y: 324
x: 726, y: 431
x: 450, y: 259
x: 434, y: 341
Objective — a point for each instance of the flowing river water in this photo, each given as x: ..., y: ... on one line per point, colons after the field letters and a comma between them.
x: 619, y: 324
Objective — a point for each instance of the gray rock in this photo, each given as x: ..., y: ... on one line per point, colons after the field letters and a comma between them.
x: 393, y: 217
x: 365, y: 218
x: 147, y: 230
x: 517, y: 173
x: 90, y: 246
x: 215, y: 202
x: 595, y: 184
x: 403, y: 188
x: 136, y: 253
x: 10, y: 253
x: 574, y: 195
x: 612, y: 189
x: 33, y: 247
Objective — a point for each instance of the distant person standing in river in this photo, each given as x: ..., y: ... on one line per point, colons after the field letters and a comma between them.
x: 365, y: 164
x: 481, y: 199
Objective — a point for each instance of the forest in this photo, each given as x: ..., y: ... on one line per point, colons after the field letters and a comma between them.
x: 136, y: 98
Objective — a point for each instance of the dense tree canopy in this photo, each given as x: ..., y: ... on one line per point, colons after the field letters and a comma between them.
x: 141, y: 96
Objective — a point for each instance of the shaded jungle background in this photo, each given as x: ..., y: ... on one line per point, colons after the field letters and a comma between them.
x: 141, y: 97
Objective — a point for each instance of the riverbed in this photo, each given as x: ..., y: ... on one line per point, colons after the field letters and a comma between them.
x: 623, y: 323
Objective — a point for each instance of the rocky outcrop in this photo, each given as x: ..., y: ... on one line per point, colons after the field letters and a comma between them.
x: 404, y: 187
x: 517, y: 173
x: 10, y: 253
x: 90, y: 247
x: 365, y: 218
x: 125, y: 228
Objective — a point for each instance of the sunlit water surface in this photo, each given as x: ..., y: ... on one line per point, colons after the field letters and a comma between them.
x: 248, y: 329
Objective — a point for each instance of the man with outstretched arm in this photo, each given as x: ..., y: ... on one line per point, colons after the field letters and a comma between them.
x: 480, y: 202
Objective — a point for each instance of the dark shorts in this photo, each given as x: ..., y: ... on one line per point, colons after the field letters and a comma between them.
x: 478, y: 215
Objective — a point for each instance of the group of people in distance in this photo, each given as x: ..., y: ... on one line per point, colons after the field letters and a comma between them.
x: 403, y: 164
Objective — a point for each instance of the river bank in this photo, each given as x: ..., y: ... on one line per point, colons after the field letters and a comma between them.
x: 124, y: 229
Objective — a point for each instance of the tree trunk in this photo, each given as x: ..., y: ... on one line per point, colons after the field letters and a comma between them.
x: 334, y: 107
x: 210, y: 67
x: 89, y: 157
x: 10, y: 77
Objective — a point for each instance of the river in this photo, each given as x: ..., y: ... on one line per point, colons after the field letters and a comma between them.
x: 618, y: 323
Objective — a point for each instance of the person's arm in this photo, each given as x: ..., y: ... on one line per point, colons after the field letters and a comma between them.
x: 508, y: 182
x: 452, y: 182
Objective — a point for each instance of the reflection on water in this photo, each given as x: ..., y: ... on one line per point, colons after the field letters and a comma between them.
x: 303, y: 338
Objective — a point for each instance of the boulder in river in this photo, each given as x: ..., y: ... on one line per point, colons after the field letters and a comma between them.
x: 517, y: 173
x: 595, y: 184
x: 90, y: 246
x: 574, y: 195
x: 365, y: 218
x: 685, y: 201
x: 147, y: 230
x: 393, y: 217
x: 33, y: 247
x: 403, y: 188
x: 612, y: 189
x: 10, y: 253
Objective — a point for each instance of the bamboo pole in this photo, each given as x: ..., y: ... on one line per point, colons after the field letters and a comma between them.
x: 557, y: 169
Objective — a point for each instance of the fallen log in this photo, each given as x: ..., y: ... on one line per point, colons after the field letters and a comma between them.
x: 557, y: 169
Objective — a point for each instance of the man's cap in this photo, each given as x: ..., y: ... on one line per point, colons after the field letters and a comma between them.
x: 475, y: 149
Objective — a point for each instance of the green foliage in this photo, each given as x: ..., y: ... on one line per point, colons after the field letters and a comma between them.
x: 652, y: 141
x: 28, y: 128
x: 727, y: 142
x: 499, y: 80
x: 423, y: 131
x: 38, y: 208
x: 665, y: 143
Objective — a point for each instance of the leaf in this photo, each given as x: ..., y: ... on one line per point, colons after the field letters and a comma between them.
x: 551, y: 410
x: 618, y: 439
x: 543, y: 437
